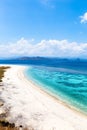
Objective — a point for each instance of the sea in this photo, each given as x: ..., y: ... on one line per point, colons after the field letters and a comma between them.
x: 65, y: 79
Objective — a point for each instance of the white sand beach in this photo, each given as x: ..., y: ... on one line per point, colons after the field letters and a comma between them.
x: 29, y: 106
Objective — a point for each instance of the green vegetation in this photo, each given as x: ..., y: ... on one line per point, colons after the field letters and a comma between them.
x: 2, y: 70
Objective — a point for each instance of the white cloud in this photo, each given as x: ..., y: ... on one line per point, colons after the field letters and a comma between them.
x: 52, y: 48
x: 84, y: 18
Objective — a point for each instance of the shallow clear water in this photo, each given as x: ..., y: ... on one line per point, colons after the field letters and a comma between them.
x: 68, y: 85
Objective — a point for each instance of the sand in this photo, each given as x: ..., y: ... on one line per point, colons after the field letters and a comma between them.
x: 30, y: 106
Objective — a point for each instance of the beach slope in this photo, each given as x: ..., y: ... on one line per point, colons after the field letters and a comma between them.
x: 31, y: 107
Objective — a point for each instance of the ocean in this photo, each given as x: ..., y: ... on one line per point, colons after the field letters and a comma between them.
x: 67, y: 85
x: 62, y: 78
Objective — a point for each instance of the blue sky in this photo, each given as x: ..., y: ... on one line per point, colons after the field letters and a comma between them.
x: 42, y: 20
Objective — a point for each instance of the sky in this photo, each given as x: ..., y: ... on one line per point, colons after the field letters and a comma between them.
x: 54, y: 28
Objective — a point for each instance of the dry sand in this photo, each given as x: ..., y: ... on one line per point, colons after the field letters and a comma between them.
x: 29, y: 106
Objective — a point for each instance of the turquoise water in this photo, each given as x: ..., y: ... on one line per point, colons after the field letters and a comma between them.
x: 67, y: 85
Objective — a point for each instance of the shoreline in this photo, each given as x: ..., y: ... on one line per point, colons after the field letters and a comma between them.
x: 53, y: 114
x: 53, y: 96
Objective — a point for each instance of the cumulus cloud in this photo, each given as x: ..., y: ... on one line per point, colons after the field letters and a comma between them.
x: 50, y: 48
x: 84, y: 18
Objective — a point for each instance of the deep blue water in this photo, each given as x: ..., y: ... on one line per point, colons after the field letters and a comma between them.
x: 65, y: 79
x: 74, y: 64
